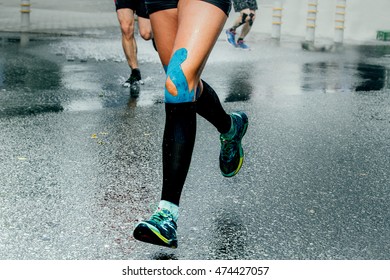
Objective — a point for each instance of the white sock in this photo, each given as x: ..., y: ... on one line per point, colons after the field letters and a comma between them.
x: 173, y: 208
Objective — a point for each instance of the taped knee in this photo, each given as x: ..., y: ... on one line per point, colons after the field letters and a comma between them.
x: 176, y: 85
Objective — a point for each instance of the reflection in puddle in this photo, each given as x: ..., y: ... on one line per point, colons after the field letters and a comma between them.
x: 373, y: 77
x: 134, y: 94
x: 30, y: 110
x: 28, y: 84
x: 31, y: 72
x: 326, y: 76
x: 240, y: 86
x: 135, y: 90
x: 341, y: 76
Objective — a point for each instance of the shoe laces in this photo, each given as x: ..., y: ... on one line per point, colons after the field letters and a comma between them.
x: 228, y: 147
x: 161, y: 216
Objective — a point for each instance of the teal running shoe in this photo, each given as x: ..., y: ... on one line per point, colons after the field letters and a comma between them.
x: 231, y: 37
x: 232, y: 154
x: 160, y: 229
x: 241, y: 45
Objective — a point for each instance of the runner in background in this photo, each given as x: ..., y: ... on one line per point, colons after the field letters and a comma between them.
x: 247, y: 10
x: 126, y: 10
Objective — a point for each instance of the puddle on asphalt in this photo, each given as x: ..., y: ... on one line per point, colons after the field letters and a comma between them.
x: 345, y: 77
x: 372, y: 77
x: 36, y: 77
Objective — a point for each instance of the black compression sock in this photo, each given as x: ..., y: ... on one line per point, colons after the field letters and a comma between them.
x: 178, y: 144
x: 209, y: 106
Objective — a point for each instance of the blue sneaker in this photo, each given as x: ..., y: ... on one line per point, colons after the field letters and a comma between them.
x: 241, y: 45
x: 231, y: 37
x: 160, y: 229
x: 232, y: 155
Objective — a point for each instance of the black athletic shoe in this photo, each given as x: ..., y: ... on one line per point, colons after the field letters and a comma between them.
x: 134, y: 79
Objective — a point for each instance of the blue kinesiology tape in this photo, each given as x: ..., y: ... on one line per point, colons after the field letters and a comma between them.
x: 175, y: 73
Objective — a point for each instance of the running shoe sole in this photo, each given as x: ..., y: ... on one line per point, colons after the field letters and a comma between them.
x: 148, y: 233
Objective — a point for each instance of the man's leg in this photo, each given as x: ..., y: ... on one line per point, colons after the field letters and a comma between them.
x: 238, y: 22
x: 144, y: 25
x: 248, y: 17
x: 231, y: 32
x: 126, y: 21
x: 145, y: 28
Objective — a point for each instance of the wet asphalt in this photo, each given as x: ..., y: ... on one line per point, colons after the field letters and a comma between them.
x: 81, y: 155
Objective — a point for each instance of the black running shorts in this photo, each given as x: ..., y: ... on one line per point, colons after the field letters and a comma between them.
x: 159, y: 5
x: 240, y: 5
x: 136, y: 5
